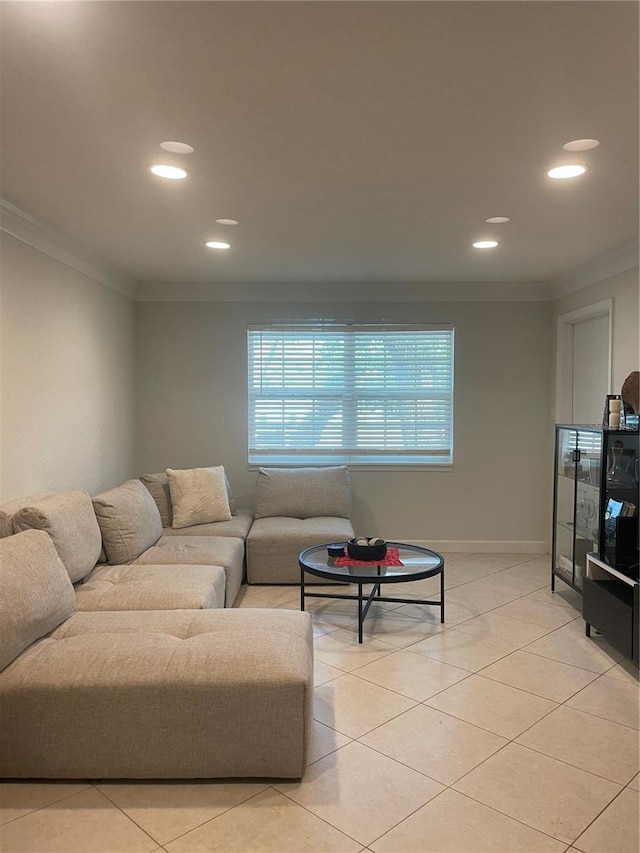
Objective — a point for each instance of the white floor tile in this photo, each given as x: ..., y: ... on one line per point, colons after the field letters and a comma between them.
x: 354, y: 706
x: 361, y: 792
x: 436, y: 744
x: 86, y: 822
x: 20, y: 798
x: 542, y: 792
x: 411, y: 674
x: 616, y: 829
x: 464, y: 650
x: 453, y: 823
x: 496, y: 707
x: 611, y: 699
x: 341, y: 649
x: 591, y: 743
x: 539, y: 675
x: 570, y: 645
x: 166, y: 810
x: 267, y: 823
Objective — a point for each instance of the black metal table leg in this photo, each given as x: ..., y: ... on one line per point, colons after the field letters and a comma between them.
x: 316, y: 562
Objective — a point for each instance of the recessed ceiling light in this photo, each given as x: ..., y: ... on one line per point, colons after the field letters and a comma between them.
x: 497, y: 220
x: 485, y: 244
x: 581, y: 145
x: 562, y: 172
x: 173, y: 173
x: 217, y: 244
x: 227, y: 221
x: 177, y: 147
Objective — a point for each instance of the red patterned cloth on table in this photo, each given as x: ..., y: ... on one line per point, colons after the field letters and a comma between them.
x: 391, y: 558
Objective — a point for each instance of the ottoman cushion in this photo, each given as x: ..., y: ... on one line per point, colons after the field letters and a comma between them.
x: 157, y: 694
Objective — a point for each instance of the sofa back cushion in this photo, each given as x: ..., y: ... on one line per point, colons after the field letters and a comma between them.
x: 37, y: 594
x: 303, y: 492
x: 70, y: 521
x: 9, y: 509
x: 158, y: 486
x: 129, y: 520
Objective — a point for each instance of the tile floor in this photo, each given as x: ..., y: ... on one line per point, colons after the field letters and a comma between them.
x: 504, y: 731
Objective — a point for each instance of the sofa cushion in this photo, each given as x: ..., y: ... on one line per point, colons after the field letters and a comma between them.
x: 9, y: 509
x: 273, y: 546
x: 158, y: 485
x: 198, y: 496
x: 129, y: 521
x: 200, y: 551
x: 71, y: 523
x: 303, y: 492
x: 37, y: 594
x: 152, y: 588
x: 210, y: 693
x: 238, y: 527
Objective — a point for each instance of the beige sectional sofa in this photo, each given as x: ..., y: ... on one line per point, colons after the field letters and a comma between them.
x: 145, y: 570
x: 120, y: 653
x: 153, y: 694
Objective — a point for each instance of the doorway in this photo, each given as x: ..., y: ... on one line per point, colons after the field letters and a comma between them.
x: 583, y: 377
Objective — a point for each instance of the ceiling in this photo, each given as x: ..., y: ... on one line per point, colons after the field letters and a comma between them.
x: 354, y: 141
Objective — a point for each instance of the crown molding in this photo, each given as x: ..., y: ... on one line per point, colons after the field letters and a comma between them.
x: 456, y: 291
x: 619, y: 259
x: 20, y: 225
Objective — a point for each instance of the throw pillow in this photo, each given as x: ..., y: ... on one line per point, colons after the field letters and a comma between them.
x: 198, y: 496
x: 158, y: 486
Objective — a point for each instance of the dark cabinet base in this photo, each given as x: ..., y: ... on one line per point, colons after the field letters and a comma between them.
x: 611, y: 607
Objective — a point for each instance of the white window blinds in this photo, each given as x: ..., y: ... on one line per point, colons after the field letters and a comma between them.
x: 350, y: 394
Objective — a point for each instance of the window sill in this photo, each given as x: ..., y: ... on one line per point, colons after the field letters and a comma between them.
x: 406, y: 468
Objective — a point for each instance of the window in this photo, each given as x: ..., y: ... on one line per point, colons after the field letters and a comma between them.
x: 350, y: 394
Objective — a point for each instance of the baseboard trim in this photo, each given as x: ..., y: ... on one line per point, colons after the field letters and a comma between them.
x: 484, y: 546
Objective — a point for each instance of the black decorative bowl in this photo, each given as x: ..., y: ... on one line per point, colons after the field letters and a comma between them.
x: 336, y: 550
x: 366, y: 552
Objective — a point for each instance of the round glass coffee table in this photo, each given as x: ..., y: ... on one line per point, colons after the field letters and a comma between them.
x: 417, y: 563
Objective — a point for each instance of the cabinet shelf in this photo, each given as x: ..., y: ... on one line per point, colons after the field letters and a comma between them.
x: 585, y: 458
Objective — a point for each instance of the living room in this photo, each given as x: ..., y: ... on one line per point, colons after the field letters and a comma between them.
x: 361, y: 147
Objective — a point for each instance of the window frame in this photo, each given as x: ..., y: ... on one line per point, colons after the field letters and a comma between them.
x: 365, y: 460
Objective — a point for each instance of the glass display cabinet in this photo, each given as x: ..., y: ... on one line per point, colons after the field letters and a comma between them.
x: 595, y: 502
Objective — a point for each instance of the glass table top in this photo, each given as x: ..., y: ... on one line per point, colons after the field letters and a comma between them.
x: 417, y: 563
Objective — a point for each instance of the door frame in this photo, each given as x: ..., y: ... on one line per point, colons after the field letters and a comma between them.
x: 564, y: 354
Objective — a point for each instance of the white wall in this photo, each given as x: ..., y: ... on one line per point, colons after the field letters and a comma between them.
x: 66, y: 378
x: 191, y: 410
